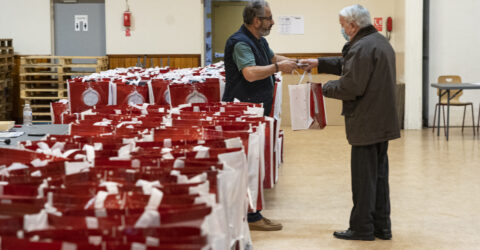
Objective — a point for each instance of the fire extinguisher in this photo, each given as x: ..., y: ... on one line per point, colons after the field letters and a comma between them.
x: 127, y: 15
x: 389, y: 27
x: 127, y: 19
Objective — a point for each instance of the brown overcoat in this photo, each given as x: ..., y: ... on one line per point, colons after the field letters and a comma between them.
x: 366, y: 87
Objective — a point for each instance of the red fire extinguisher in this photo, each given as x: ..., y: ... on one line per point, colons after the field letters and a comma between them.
x: 389, y: 27
x: 127, y: 15
x: 127, y: 19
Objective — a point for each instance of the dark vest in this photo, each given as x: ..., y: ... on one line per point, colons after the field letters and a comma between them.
x: 236, y: 86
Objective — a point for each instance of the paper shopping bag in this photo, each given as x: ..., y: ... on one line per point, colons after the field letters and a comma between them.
x: 300, y: 106
x: 317, y: 106
x: 307, y: 106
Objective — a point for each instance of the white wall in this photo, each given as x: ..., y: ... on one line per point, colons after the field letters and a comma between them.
x: 398, y: 38
x: 413, y: 63
x: 322, y: 28
x: 158, y: 27
x: 28, y: 23
x: 454, y: 40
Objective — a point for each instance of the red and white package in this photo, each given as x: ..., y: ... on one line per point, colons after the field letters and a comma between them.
x: 160, y: 92
x: 194, y: 93
x: 85, y: 95
x: 57, y: 109
x: 127, y: 93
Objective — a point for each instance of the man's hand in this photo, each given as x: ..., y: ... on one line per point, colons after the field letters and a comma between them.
x: 309, y: 64
x: 287, y: 66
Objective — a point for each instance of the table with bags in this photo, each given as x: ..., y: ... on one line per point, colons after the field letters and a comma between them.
x: 140, y: 175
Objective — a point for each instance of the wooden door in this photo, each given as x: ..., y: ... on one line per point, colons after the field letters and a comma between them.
x: 226, y: 20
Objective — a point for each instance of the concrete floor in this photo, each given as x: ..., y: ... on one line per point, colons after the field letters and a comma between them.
x: 434, y: 192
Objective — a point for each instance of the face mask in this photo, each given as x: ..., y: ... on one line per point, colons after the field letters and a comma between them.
x: 345, y: 35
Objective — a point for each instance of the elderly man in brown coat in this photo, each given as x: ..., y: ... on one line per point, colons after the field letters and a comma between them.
x: 367, y: 89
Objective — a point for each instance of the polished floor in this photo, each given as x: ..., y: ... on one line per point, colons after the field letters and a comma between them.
x: 434, y: 191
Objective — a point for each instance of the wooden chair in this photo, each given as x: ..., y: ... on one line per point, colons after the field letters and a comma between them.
x: 452, y: 79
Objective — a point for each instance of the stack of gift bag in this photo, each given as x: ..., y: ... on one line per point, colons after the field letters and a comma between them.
x: 152, y: 160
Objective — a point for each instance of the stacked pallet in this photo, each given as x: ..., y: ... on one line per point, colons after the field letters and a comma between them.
x: 6, y: 81
x: 43, y: 79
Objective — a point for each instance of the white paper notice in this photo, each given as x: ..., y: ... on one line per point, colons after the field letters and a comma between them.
x: 81, y: 22
x: 291, y: 25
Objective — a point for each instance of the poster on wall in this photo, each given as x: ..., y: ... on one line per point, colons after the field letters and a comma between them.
x: 378, y: 23
x: 291, y: 25
x: 81, y: 22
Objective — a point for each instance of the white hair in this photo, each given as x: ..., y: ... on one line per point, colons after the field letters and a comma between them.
x: 356, y: 14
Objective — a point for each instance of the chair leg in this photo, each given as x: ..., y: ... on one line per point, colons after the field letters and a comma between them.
x: 434, y: 118
x: 473, y: 120
x: 444, y: 123
x: 464, y: 111
x: 478, y: 122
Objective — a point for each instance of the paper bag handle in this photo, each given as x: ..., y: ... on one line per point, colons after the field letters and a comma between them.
x: 303, y: 76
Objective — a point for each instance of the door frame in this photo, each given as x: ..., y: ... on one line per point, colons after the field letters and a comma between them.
x: 209, y: 26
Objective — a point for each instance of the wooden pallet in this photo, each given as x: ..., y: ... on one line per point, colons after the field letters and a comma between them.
x: 6, y: 51
x: 43, y: 79
x: 6, y: 42
x: 6, y: 80
x: 58, y: 68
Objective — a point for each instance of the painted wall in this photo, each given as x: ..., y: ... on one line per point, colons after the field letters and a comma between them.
x: 454, y: 40
x: 322, y: 28
x: 413, y: 64
x: 158, y: 27
x: 27, y: 22
x: 398, y: 38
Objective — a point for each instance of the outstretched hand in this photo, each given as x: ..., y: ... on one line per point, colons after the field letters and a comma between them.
x: 287, y: 66
x: 308, y: 64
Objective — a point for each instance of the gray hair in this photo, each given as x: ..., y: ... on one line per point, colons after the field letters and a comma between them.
x: 357, y: 14
x: 254, y: 9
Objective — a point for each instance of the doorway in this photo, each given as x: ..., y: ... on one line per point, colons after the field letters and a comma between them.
x: 79, y: 28
x: 226, y: 20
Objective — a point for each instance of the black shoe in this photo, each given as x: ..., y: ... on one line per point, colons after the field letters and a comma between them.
x: 352, y: 235
x: 384, y: 234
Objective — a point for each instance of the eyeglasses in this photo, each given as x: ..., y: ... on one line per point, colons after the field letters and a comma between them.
x: 269, y: 18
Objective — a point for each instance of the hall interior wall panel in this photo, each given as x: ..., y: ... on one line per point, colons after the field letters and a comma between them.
x: 174, y: 61
x: 157, y: 27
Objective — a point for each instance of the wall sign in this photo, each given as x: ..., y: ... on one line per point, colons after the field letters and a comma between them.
x: 291, y: 25
x: 378, y: 23
x: 81, y: 22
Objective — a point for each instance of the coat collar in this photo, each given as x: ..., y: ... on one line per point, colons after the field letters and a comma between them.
x: 363, y: 32
x: 249, y: 34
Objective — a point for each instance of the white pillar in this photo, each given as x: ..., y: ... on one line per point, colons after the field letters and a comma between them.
x: 413, y: 63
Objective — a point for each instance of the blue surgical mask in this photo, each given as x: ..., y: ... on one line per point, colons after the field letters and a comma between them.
x: 345, y: 35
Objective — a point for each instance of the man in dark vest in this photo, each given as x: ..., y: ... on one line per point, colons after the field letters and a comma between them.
x: 249, y: 61
x: 367, y: 88
x: 250, y: 65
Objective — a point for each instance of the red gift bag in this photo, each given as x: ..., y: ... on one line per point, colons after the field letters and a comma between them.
x: 131, y: 94
x: 194, y: 93
x: 161, y: 95
x: 317, y: 106
x: 85, y: 95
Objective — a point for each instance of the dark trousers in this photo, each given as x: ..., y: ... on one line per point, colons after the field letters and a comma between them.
x: 371, y: 198
x: 252, y: 217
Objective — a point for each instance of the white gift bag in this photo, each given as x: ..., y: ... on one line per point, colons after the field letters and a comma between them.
x: 307, y: 106
x: 300, y: 105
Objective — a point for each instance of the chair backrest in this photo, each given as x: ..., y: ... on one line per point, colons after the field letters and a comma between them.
x: 450, y: 79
